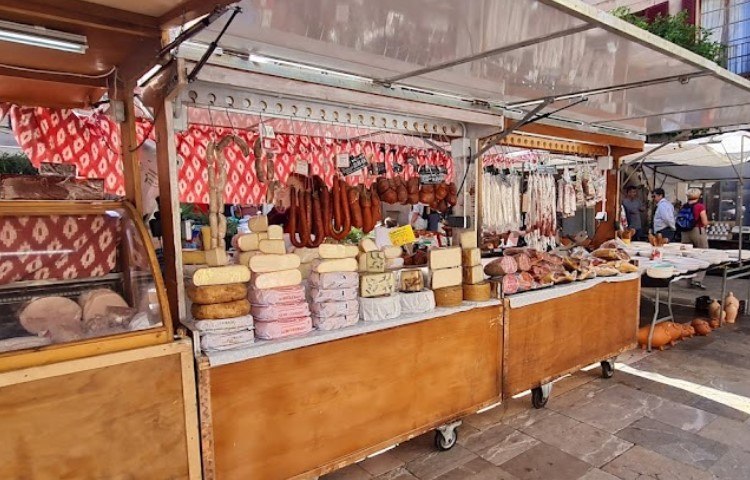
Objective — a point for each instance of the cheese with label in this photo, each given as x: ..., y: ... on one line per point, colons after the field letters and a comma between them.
x: 379, y: 309
x: 394, y: 263
x: 447, y: 257
x: 412, y: 280
x: 335, y: 309
x: 331, y: 295
x: 193, y: 257
x: 285, y: 278
x: 244, y: 257
x: 447, y: 277
x: 374, y: 262
x: 273, y: 296
x: 277, y: 247
x: 206, y: 238
x: 223, y: 325
x: 269, y: 313
x: 248, y: 242
x: 473, y: 275
x: 218, y: 342
x: 221, y: 275
x: 339, y: 265
x: 332, y: 251
x: 307, y: 255
x: 273, y: 330
x: 367, y: 245
x: 376, y: 284
x: 334, y: 323
x: 273, y: 263
x: 468, y: 239
x: 417, y: 302
x: 275, y: 232
x: 392, y: 252
x: 471, y: 257
x: 258, y: 224
x: 334, y: 280
x: 216, y: 257
x: 306, y: 270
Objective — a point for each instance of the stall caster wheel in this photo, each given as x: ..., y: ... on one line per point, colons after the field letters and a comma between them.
x: 446, y: 436
x: 608, y: 368
x: 540, y: 395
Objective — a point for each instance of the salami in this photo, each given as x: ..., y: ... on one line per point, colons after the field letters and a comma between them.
x: 525, y: 281
x: 501, y: 266
x: 510, y: 284
x: 523, y: 261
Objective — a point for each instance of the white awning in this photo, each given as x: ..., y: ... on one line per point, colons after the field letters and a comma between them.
x: 511, y: 53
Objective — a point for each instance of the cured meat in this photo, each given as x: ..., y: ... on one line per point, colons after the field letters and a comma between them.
x: 525, y: 281
x: 541, y: 220
x: 523, y: 261
x: 501, y: 205
x: 41, y: 314
x: 566, y: 198
x: 510, y: 284
x: 501, y: 266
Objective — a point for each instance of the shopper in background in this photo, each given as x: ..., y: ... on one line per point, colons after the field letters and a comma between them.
x: 634, y: 208
x: 692, y: 223
x: 664, y: 221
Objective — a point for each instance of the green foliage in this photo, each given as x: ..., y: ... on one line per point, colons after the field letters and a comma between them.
x: 16, y: 163
x: 679, y: 31
x: 189, y: 212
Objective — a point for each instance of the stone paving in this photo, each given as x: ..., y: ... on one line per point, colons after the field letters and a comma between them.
x: 692, y: 421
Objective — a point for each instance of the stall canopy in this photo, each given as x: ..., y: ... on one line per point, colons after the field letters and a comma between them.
x: 513, y: 54
x: 721, y: 157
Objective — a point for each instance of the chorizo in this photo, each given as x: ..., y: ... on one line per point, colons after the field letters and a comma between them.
x: 377, y: 208
x: 318, y: 227
x: 346, y: 215
x: 260, y: 160
x: 302, y: 218
x: 336, y: 202
x: 325, y: 206
x: 366, y: 206
x: 292, y: 229
x: 354, y: 208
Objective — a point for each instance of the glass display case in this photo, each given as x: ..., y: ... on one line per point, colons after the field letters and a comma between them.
x: 77, y: 273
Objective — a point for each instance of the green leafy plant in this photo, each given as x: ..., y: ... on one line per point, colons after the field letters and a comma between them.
x: 189, y: 212
x: 679, y: 31
x: 16, y: 163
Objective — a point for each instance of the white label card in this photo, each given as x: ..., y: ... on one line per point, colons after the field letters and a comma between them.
x: 301, y: 167
x: 267, y: 132
x: 342, y: 160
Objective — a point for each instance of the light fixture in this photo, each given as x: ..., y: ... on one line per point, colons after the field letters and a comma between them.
x: 42, y: 37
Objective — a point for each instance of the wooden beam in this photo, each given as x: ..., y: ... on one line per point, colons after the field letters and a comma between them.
x: 576, y: 135
x: 190, y: 10
x: 129, y: 147
x: 56, y: 77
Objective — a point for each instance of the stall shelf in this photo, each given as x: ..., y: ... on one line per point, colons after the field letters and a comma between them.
x: 551, y: 333
x: 307, y: 411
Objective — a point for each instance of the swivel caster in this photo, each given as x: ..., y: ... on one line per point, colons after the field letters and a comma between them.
x: 540, y: 395
x: 446, y: 436
x: 608, y: 368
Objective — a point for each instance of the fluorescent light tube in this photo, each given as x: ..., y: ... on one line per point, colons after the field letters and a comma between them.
x: 42, y: 37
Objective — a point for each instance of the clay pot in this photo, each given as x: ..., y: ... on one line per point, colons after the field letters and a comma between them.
x: 659, y: 340
x: 674, y: 331
x: 701, y: 326
x: 714, y: 324
x: 731, y: 312
x: 687, y: 330
x: 714, y: 310
x: 731, y: 300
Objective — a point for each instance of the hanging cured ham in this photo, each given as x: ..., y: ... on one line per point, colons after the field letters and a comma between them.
x: 541, y: 222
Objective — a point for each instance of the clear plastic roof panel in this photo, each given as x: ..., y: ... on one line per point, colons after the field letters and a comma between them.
x: 502, y: 51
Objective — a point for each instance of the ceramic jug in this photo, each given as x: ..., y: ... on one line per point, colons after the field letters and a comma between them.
x: 714, y: 310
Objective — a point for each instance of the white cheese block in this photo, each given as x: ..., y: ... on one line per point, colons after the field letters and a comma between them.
x: 221, y: 275
x: 277, y: 247
x: 334, y: 280
x: 447, y: 277
x: 339, y: 265
x: 307, y: 255
x: 468, y: 239
x: 379, y: 309
x: 216, y: 257
x: 394, y: 263
x: 473, y: 275
x: 334, y: 323
x: 336, y: 251
x: 447, y: 257
x: 417, y: 302
x: 273, y: 263
x: 412, y: 280
x: 335, y: 309
x: 193, y: 257
x: 392, y: 252
x: 244, y: 257
x: 306, y: 270
x: 248, y: 242
x: 374, y: 262
x: 285, y: 278
x: 362, y: 262
x: 316, y: 294
x: 376, y: 284
x: 471, y: 257
x: 367, y: 245
x: 258, y: 224
x: 275, y: 232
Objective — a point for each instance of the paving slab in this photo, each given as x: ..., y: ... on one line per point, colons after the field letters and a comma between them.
x: 352, y: 472
x: 400, y: 473
x: 729, y: 432
x: 639, y: 463
x: 415, y: 448
x: 507, y: 443
x: 596, y: 474
x: 545, y: 462
x: 437, y: 463
x: 507, y: 409
x: 734, y: 465
x: 380, y: 464
x: 478, y: 469
x: 684, y: 417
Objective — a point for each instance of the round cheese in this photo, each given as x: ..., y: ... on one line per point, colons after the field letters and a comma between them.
x: 479, y: 292
x: 449, y: 296
x: 417, y: 302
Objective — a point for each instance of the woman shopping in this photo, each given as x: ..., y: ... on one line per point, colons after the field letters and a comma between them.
x: 691, y: 222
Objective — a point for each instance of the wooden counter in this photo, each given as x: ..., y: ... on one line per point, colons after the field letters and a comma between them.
x: 546, y: 340
x: 305, y: 412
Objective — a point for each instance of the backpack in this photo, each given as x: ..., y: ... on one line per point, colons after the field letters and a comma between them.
x: 685, y: 220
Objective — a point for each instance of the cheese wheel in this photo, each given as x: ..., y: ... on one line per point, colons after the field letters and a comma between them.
x: 275, y: 232
x: 273, y: 296
x: 193, y: 257
x: 392, y: 252
x: 244, y: 257
x: 307, y: 255
x: 479, y: 292
x: 285, y: 278
x: 449, y: 296
x: 238, y: 308
x: 97, y: 303
x: 339, y: 265
x: 216, y: 257
x: 248, y: 242
x: 367, y: 245
x: 41, y: 313
x: 332, y: 251
x: 379, y: 309
x: 276, y: 247
x: 258, y: 224
x: 417, y: 302
x: 211, y: 294
x: 273, y: 263
x: 221, y: 275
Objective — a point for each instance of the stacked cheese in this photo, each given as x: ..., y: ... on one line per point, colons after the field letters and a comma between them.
x: 475, y: 288
x: 306, y: 258
x: 220, y: 309
x: 332, y: 287
x: 377, y: 285
x: 446, y: 276
x: 277, y: 296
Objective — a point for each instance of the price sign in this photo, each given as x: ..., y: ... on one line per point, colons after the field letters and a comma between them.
x: 301, y: 167
x: 401, y: 236
x: 342, y: 160
x: 432, y: 175
x: 267, y: 132
x: 377, y: 168
x: 355, y: 165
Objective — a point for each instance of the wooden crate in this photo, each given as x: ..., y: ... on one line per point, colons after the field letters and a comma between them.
x: 123, y: 415
x: 550, y: 339
x: 305, y: 412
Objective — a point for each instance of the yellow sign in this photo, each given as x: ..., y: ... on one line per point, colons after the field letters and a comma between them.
x: 402, y: 235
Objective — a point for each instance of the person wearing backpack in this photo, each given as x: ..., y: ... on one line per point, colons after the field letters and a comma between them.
x: 664, y: 221
x: 691, y: 222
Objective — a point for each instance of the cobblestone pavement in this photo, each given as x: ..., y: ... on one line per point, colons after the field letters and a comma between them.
x: 682, y: 413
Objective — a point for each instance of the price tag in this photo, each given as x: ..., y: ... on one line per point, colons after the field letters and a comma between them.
x: 355, y: 165
x: 342, y: 160
x: 301, y: 167
x: 267, y: 132
x: 401, y: 236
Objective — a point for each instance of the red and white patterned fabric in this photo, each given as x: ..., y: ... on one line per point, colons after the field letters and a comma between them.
x: 57, y: 247
x: 92, y: 142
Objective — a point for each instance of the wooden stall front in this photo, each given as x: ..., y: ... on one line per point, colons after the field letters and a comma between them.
x: 546, y: 340
x: 305, y: 412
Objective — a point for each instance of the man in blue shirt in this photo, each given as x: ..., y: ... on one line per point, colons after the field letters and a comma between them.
x: 664, y: 222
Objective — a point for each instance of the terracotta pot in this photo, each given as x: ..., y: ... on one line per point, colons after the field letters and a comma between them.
x: 731, y: 300
x: 714, y: 310
x: 674, y: 331
x: 660, y: 339
x: 731, y: 312
x: 687, y: 330
x: 701, y: 327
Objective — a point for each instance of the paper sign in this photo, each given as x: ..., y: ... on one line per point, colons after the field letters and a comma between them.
x: 267, y: 132
x: 401, y: 236
x: 301, y: 167
x: 342, y: 160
